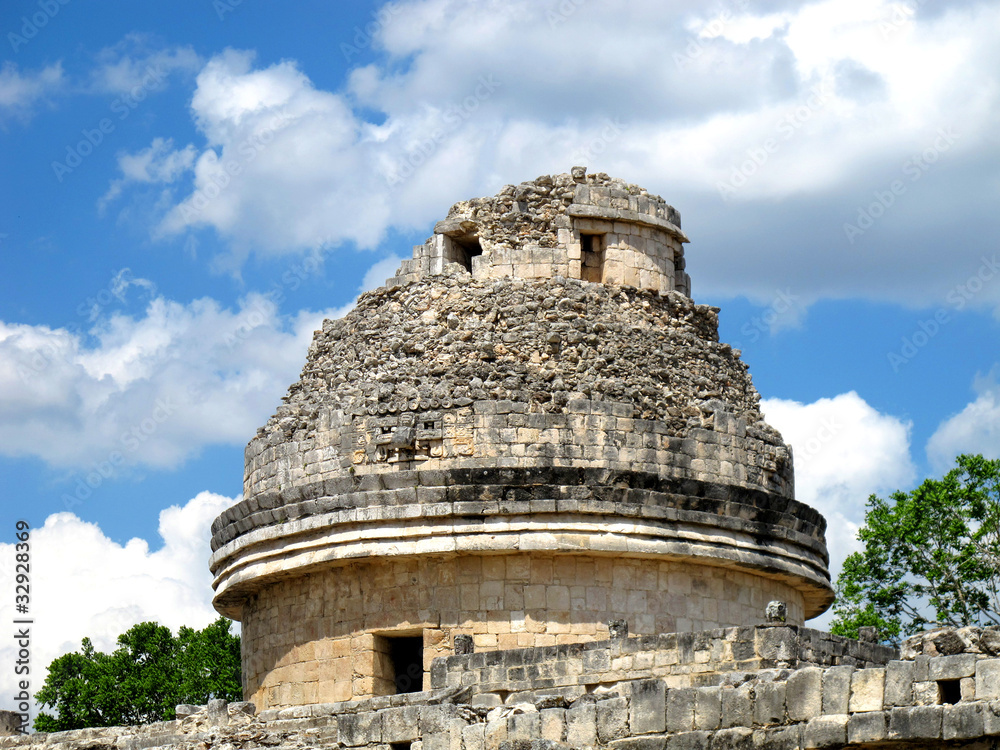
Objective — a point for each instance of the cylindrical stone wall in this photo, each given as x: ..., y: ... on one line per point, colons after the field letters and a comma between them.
x: 312, y: 638
x: 530, y: 432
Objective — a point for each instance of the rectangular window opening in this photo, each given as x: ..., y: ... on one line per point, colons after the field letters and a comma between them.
x: 399, y: 746
x: 950, y: 691
x: 470, y: 248
x: 592, y: 257
x: 400, y: 663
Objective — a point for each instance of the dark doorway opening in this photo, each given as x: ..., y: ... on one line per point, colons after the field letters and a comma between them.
x: 951, y: 691
x: 592, y: 257
x: 406, y: 655
x: 470, y: 248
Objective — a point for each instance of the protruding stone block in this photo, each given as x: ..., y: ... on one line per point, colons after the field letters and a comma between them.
x: 988, y: 679
x: 837, y: 689
x: 867, y: 727
x: 648, y: 707
x: 867, y: 690
x: 804, y: 696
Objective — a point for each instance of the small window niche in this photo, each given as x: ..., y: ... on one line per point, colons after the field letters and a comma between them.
x: 468, y: 248
x: 950, y: 691
x: 399, y: 664
x: 592, y: 248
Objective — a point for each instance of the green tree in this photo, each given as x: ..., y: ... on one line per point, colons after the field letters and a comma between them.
x: 143, y: 679
x: 931, y: 557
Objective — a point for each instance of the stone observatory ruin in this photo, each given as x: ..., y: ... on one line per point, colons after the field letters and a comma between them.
x: 530, y: 437
x: 522, y: 498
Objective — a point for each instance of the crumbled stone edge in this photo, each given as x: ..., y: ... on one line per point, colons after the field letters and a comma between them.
x: 808, y: 707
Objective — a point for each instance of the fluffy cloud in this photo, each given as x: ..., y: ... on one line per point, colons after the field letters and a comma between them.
x: 160, y: 163
x: 796, y: 116
x: 844, y: 451
x: 86, y: 585
x: 152, y: 389
x: 975, y: 429
x: 21, y: 91
x: 138, y: 62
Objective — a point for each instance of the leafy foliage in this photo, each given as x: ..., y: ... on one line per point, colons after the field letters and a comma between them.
x: 931, y: 557
x: 143, y: 680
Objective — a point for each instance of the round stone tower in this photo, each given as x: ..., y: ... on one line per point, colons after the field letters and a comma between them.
x: 529, y: 433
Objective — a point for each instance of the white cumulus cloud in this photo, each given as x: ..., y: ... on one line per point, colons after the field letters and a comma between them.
x: 21, y: 91
x: 844, y: 451
x: 797, y: 115
x: 975, y: 429
x: 86, y: 585
x: 150, y: 389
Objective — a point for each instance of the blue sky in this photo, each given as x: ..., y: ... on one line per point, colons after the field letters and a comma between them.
x: 191, y: 187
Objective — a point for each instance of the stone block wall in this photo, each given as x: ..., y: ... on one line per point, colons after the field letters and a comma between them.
x: 540, y: 229
x: 899, y: 704
x: 314, y: 638
x: 689, y: 659
x: 458, y: 435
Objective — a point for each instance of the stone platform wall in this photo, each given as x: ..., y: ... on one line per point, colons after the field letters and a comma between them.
x: 312, y: 638
x: 903, y: 704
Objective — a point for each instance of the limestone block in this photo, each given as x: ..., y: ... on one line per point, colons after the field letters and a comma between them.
x: 870, y: 726
x: 526, y: 726
x: 581, y: 725
x: 778, y: 738
x: 647, y: 710
x: 916, y: 722
x: 401, y: 724
x: 967, y: 688
x: 474, y: 737
x: 804, y: 696
x: 612, y: 719
x: 988, y: 679
x: 899, y: 683
x: 991, y: 718
x: 778, y: 644
x: 735, y: 738
x: 926, y: 694
x: 963, y: 720
x: 837, y: 689
x: 689, y: 741
x: 825, y: 732
x: 360, y: 728
x: 680, y: 709
x: 708, y: 708
x: 769, y: 706
x: 737, y: 706
x: 951, y: 667
x: 867, y: 690
x: 553, y: 724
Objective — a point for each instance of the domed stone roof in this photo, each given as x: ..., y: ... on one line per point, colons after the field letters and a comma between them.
x: 535, y: 384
